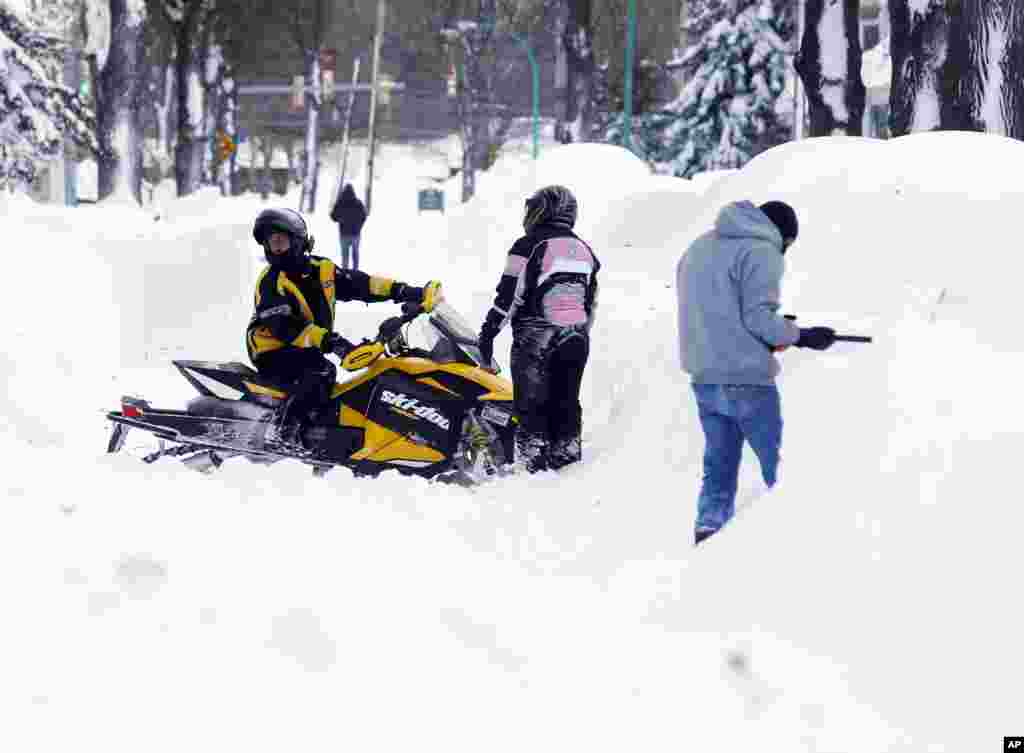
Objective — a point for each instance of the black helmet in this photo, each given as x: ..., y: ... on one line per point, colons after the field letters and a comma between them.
x: 551, y: 205
x: 286, y: 221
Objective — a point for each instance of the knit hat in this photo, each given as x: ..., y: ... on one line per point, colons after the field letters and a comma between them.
x: 784, y: 218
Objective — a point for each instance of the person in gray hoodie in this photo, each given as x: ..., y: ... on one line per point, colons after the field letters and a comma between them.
x: 728, y: 284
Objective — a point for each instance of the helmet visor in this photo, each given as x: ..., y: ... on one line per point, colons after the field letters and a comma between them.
x: 533, y: 211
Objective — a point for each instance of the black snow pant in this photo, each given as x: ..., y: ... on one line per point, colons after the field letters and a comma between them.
x: 306, y: 372
x: 547, y: 370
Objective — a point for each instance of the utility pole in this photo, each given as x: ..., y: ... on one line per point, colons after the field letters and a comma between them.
x: 348, y: 122
x: 379, y: 32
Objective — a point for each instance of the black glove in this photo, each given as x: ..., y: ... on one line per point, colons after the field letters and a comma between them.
x: 390, y: 327
x: 403, y: 293
x: 428, y: 296
x: 817, y: 338
x: 336, y: 344
x: 486, y: 342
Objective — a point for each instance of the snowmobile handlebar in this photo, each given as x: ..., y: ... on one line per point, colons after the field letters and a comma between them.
x: 391, y: 326
x: 411, y: 310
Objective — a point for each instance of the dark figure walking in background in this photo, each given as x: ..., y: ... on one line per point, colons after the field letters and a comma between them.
x: 350, y: 214
x: 549, y: 292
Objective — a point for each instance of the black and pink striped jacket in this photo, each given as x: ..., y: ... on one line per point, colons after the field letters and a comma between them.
x: 550, y: 278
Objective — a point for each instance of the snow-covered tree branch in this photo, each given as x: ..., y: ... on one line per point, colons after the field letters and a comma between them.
x: 728, y: 110
x: 36, y: 112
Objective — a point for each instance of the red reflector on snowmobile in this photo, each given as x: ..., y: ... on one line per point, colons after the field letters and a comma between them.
x: 131, y: 411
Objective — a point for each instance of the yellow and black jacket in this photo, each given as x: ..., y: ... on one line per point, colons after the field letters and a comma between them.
x: 300, y: 312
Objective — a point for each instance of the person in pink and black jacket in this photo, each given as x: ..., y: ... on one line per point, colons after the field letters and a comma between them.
x: 548, y: 291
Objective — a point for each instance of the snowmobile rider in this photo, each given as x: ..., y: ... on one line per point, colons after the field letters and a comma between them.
x: 549, y: 292
x: 291, y: 328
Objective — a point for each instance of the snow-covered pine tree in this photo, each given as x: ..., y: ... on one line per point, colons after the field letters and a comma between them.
x: 36, y: 112
x: 727, y: 112
x: 646, y: 136
x: 701, y: 15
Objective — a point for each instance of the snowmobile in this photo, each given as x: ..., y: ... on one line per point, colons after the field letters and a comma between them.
x: 419, y: 399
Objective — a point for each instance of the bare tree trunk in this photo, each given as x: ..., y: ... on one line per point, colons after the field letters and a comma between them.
x: 120, y: 133
x: 163, y: 105
x: 919, y: 45
x: 557, y: 19
x: 579, y: 46
x: 475, y: 94
x: 834, y: 87
x: 983, y: 74
x: 213, y: 71
x: 314, y: 101
x: 188, y: 152
x: 1012, y: 66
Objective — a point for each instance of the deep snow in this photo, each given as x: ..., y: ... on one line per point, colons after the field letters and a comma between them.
x: 867, y: 603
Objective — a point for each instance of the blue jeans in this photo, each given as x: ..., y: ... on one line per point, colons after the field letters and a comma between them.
x: 730, y: 414
x: 349, y: 243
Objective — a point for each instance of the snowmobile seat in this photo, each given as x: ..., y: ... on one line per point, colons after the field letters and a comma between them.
x: 232, y: 367
x: 216, y: 407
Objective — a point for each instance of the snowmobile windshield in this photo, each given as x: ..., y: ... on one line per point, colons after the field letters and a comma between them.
x: 450, y: 321
x: 446, y: 335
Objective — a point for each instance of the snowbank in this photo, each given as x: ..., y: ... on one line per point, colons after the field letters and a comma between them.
x: 850, y: 608
x: 482, y: 230
x: 884, y: 216
x: 637, y: 220
x: 704, y: 181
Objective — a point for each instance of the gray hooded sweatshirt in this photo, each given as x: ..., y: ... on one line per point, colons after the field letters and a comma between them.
x: 728, y: 283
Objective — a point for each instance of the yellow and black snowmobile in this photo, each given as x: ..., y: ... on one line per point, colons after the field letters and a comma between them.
x: 418, y: 399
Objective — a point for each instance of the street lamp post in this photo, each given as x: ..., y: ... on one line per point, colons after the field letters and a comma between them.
x: 535, y: 78
x: 372, y: 135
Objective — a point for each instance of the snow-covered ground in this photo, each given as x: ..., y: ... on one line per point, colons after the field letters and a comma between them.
x: 870, y: 602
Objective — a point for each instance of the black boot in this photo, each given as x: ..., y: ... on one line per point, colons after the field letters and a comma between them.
x: 531, y: 452
x: 703, y: 533
x: 565, y: 451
